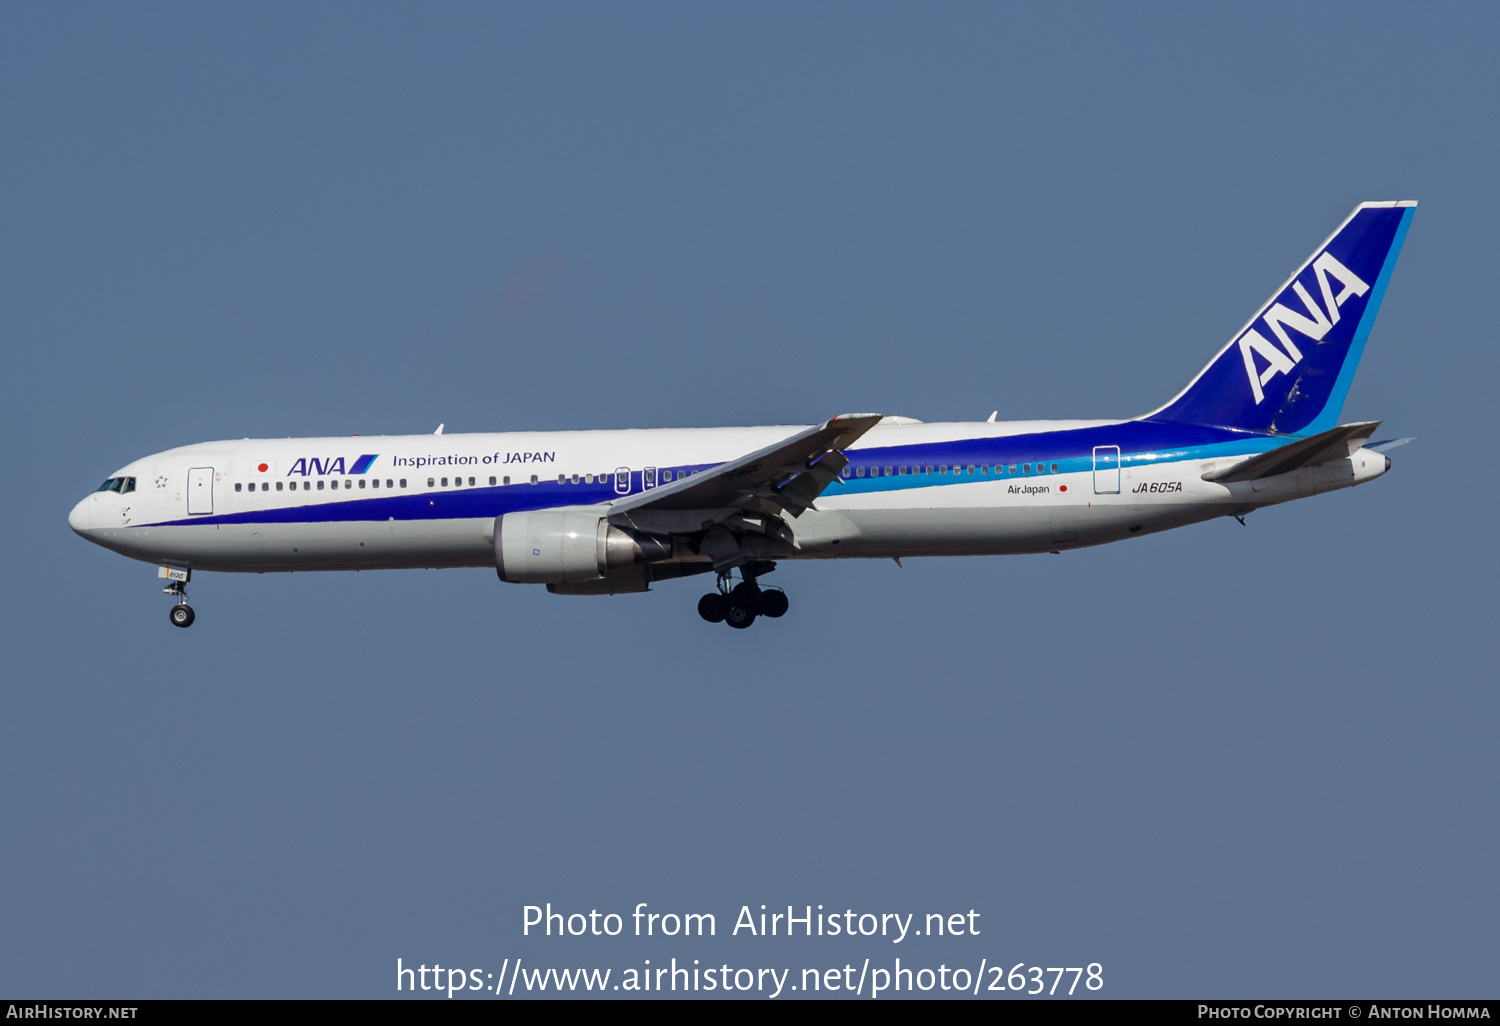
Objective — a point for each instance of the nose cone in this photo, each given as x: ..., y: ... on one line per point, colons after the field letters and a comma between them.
x: 81, y: 519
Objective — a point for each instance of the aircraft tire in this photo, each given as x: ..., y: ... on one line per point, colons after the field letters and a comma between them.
x: 773, y: 603
x: 713, y: 607
x: 182, y: 615
x: 739, y: 617
x: 746, y: 595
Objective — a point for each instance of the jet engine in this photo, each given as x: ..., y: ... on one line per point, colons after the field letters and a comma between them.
x: 568, y: 547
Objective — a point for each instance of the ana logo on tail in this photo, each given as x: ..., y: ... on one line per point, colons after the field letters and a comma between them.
x: 1280, y: 317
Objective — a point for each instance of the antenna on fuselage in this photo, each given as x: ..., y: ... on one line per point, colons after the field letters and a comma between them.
x: 439, y: 430
x: 992, y: 417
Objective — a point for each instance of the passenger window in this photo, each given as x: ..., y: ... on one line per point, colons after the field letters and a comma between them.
x: 348, y: 485
x: 971, y: 470
x: 403, y: 482
x: 859, y: 471
x: 429, y: 482
x: 236, y: 487
x: 1012, y: 468
x: 562, y: 478
x: 1026, y: 468
x: 492, y: 482
x: 471, y: 481
x: 943, y: 468
x: 889, y: 471
x: 575, y: 478
x: 374, y: 482
x: 1054, y: 468
x: 507, y: 480
x: 445, y: 482
x: 929, y: 470
x: 320, y: 486
x: 361, y: 482
x: 983, y: 470
x: 533, y: 479
x: 278, y: 486
x: 903, y: 471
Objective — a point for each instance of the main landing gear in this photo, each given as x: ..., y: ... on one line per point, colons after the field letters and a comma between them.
x: 739, y: 605
x: 177, y: 580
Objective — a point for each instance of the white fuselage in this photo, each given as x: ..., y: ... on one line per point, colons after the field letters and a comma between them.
x: 912, y: 489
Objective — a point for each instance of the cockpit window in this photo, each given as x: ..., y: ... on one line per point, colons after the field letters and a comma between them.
x: 117, y: 484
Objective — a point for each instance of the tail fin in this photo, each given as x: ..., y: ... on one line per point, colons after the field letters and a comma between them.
x: 1289, y: 369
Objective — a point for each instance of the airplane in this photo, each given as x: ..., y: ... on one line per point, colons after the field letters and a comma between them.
x: 612, y: 512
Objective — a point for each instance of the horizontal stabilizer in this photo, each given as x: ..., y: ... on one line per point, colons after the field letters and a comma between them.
x: 1336, y: 444
x: 1390, y: 444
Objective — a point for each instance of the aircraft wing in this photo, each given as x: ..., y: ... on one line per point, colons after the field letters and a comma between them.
x: 1335, y: 444
x: 785, y: 477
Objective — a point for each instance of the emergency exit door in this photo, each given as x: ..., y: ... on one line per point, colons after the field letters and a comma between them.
x: 200, y: 490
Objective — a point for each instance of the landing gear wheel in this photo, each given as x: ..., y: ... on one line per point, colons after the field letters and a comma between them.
x: 739, y: 617
x: 747, y: 596
x: 713, y: 608
x: 182, y: 616
x: 773, y: 603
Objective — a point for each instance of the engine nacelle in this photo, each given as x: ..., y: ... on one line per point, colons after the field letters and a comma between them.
x: 568, y: 547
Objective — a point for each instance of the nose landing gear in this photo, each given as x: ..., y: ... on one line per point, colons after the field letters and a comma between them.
x: 181, y: 614
x: 740, y: 605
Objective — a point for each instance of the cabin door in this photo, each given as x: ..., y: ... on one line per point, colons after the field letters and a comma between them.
x: 200, y: 490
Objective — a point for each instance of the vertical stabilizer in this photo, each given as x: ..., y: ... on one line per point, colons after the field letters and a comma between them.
x: 1288, y: 370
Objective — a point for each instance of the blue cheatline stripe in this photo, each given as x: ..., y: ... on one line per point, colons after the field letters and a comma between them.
x: 958, y: 475
x: 1329, y: 417
x: 1142, y: 444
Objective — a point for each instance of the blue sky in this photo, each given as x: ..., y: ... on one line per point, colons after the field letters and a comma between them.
x: 1225, y: 760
